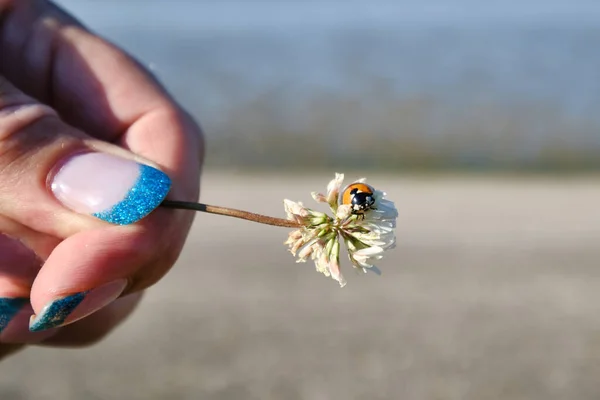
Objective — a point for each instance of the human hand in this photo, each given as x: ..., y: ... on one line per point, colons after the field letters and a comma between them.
x: 75, y: 115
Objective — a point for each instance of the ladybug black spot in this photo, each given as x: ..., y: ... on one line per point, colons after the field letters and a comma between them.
x: 361, y: 201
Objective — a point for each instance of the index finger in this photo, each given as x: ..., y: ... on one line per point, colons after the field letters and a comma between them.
x: 94, y: 85
x: 54, y: 58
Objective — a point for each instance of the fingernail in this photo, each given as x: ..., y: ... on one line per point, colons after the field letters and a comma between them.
x: 16, y: 329
x: 9, y: 307
x: 68, y: 309
x: 110, y: 188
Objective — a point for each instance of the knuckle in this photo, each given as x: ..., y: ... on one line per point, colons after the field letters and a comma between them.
x: 17, y: 113
x: 24, y: 130
x: 15, y: 118
x: 25, y: 125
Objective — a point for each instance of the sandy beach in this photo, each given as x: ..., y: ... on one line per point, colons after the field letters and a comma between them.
x: 491, y: 293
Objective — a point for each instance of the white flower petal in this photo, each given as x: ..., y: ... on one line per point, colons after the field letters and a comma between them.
x: 360, y: 263
x: 334, y: 270
x: 333, y: 190
x: 384, y: 209
x: 370, y: 240
x: 322, y: 263
x: 351, y: 247
x: 296, y: 246
x: 343, y: 212
x: 293, y: 236
x: 369, y: 251
x: 366, y: 257
x: 380, y: 228
x: 308, y: 249
x: 381, y: 238
x: 335, y: 183
x: 319, y: 197
x: 293, y: 208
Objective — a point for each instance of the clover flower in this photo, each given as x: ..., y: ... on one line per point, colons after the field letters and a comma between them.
x: 366, y: 235
x: 367, y: 230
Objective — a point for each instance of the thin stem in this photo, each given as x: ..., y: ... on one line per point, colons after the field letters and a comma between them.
x: 230, y: 212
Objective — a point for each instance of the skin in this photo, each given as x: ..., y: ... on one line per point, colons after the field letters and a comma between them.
x: 74, y: 91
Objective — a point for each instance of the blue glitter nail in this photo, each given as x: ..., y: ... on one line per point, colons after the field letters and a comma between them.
x: 55, y: 313
x: 9, y: 307
x: 148, y: 192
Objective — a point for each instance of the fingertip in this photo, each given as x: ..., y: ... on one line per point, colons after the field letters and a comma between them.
x: 14, y: 322
x: 90, y: 330
x: 111, y: 188
x: 69, y: 309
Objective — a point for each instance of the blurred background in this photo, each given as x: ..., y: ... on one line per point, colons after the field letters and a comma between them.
x: 480, y: 119
x: 375, y: 84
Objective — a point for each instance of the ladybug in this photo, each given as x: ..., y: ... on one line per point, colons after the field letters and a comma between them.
x: 359, y: 196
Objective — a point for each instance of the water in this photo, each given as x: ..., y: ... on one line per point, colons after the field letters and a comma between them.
x: 413, y: 83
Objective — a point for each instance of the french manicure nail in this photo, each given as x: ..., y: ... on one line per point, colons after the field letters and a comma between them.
x: 16, y: 330
x: 110, y: 188
x: 9, y: 307
x: 68, y: 309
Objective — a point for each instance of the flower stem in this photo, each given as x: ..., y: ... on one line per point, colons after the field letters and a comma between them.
x: 230, y: 212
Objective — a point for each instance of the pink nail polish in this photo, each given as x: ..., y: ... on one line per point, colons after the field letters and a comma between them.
x: 111, y: 188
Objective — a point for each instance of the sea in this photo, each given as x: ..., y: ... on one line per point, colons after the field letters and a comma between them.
x: 390, y: 84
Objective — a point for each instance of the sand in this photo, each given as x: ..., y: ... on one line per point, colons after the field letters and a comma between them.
x: 492, y: 293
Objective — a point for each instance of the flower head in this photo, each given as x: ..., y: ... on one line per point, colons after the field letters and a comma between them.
x: 366, y: 234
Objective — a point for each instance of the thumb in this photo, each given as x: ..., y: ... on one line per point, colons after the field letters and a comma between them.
x: 62, y: 183
x: 55, y: 179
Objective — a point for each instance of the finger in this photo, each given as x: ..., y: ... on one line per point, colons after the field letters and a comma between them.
x: 18, y: 268
x: 112, y: 97
x: 36, y: 147
x: 38, y: 151
x: 41, y: 245
x: 44, y: 48
x: 131, y: 110
x: 17, y: 330
x: 91, y: 269
x: 90, y: 330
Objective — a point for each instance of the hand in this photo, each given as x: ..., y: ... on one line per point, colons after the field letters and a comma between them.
x: 84, y: 135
